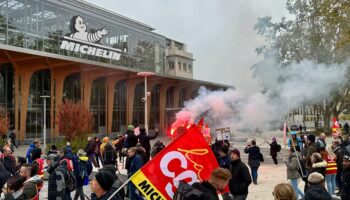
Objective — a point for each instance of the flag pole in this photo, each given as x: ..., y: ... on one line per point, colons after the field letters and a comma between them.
x: 114, y: 193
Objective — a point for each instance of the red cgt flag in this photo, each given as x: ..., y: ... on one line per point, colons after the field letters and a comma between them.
x: 188, y: 158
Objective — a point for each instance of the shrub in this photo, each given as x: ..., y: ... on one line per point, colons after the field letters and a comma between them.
x: 74, y: 120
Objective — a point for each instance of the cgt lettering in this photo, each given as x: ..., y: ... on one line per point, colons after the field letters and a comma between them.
x: 151, y: 192
x: 185, y: 174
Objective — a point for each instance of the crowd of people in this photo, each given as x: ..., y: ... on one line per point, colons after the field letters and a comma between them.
x: 325, y: 168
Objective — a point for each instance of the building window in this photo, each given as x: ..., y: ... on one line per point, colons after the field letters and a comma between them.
x: 189, y: 67
x: 179, y: 65
x: 98, y: 104
x: 184, y: 66
x: 71, y: 87
x: 171, y: 65
x: 119, y: 108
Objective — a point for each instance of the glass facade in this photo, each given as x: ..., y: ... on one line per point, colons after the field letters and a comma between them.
x: 41, y: 25
x: 139, y: 105
x: 39, y: 85
x: 98, y: 104
x: 119, y: 107
x: 6, y: 91
x: 71, y: 87
x: 155, y: 107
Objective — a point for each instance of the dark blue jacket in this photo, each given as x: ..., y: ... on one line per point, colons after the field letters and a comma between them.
x: 224, y: 162
x: 135, y: 164
x: 31, y: 147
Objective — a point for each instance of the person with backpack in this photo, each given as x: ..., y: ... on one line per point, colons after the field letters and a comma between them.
x: 274, y: 149
x: 82, y: 172
x: 57, y: 178
x: 254, y: 159
x: 293, y: 171
x: 241, y: 178
x: 33, y: 182
x: 109, y: 155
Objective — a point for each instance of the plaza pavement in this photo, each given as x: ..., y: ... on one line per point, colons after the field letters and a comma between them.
x: 269, y: 174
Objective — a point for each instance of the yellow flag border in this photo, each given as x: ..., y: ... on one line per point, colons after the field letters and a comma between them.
x: 145, y: 186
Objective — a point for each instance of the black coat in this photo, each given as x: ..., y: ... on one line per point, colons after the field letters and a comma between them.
x: 209, y: 192
x: 4, y: 176
x: 273, y: 148
x: 241, y: 178
x: 317, y: 192
x: 9, y: 164
x: 253, y: 156
x: 90, y: 147
x: 346, y: 184
x: 144, y: 140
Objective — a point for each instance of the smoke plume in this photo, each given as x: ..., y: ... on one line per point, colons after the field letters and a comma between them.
x: 288, y: 87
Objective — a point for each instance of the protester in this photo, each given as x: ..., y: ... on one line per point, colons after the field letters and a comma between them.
x: 33, y: 182
x: 15, y: 188
x: 284, y: 191
x: 101, y: 186
x: 53, y: 150
x: 12, y: 137
x: 338, y: 150
x: 293, y: 167
x: 241, y: 178
x: 317, y: 165
x: 224, y: 159
x: 294, y: 140
x: 345, y: 192
x: 19, y: 163
x: 105, y: 141
x: 109, y: 155
x: 316, y: 190
x: 321, y: 142
x: 311, y: 148
x: 8, y: 160
x: 90, y: 151
x: 274, y: 149
x: 331, y: 170
x: 82, y: 173
x: 135, y: 165
x: 36, y: 151
x: 28, y: 157
x: 97, y: 150
x: 253, y: 159
x: 131, y: 138
x: 4, y: 175
x: 217, y: 182
x: 157, y: 147
x: 144, y: 140
x: 57, y: 178
x: 117, y: 181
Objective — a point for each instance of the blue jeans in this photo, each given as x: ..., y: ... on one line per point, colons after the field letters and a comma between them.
x: 294, y: 183
x: 254, y: 174
x: 330, y: 180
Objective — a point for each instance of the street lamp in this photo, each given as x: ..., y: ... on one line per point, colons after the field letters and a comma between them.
x: 44, y: 132
x: 145, y: 74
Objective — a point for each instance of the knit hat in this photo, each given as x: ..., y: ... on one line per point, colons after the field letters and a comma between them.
x: 81, y: 152
x: 311, y: 137
x: 105, y: 179
x: 315, y: 178
x: 235, y: 151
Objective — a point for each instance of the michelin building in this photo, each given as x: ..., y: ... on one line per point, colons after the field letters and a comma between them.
x: 68, y: 49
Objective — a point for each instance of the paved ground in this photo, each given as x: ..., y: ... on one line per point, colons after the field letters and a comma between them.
x: 269, y: 174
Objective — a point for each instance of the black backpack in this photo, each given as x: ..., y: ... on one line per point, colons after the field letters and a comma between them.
x: 186, y: 191
x: 278, y: 147
x: 109, y: 155
x: 82, y: 169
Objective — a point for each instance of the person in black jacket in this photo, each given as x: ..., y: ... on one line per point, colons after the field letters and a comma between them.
x: 90, y: 151
x: 338, y: 150
x: 218, y: 181
x: 254, y: 154
x: 241, y: 178
x: 345, y: 192
x: 144, y: 141
x: 8, y: 160
x: 4, y: 176
x: 274, y: 149
x: 316, y: 190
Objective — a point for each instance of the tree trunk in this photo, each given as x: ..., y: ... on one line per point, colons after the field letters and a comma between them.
x: 327, y: 119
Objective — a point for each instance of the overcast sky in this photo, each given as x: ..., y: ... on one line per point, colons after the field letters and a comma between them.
x: 219, y: 33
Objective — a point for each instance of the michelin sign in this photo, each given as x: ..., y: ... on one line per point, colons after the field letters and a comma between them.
x: 81, y: 41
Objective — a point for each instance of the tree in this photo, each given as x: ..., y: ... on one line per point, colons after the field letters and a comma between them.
x: 4, y: 122
x: 74, y: 119
x: 318, y: 31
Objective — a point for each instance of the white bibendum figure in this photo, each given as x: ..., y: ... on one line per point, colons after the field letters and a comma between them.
x: 78, y: 30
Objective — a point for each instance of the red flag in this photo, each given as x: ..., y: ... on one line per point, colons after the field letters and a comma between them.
x: 335, y: 123
x: 200, y: 123
x: 188, y: 158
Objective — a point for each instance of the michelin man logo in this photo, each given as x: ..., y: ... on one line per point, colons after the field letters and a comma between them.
x: 78, y: 30
x: 84, y: 42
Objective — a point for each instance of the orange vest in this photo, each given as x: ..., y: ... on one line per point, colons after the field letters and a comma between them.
x: 331, y: 165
